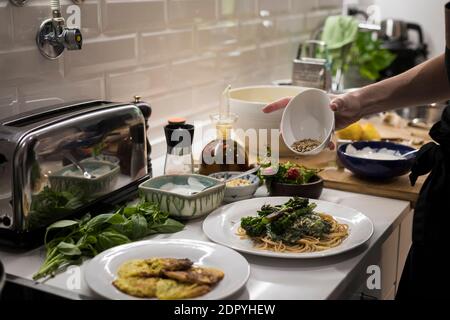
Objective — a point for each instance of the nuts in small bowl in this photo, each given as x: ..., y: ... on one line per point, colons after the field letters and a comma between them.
x: 308, y: 122
x: 238, y: 189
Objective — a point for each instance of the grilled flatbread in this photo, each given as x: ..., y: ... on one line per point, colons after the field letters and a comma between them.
x: 137, y: 286
x: 167, y: 289
x: 153, y: 267
x: 199, y: 275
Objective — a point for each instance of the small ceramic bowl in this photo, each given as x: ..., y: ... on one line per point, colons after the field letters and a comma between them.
x: 240, y: 192
x: 375, y: 168
x: 308, y: 116
x: 182, y: 196
x: 99, y: 185
x: 311, y: 190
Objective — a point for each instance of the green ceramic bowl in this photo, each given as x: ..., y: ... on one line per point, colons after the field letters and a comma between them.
x: 101, y: 184
x: 182, y: 196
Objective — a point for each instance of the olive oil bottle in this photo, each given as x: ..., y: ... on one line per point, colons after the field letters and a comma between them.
x: 223, y: 153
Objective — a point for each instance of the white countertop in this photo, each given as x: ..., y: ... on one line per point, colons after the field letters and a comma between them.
x: 270, y: 278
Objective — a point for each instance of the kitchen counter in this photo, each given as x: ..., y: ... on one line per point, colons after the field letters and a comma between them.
x: 338, y: 277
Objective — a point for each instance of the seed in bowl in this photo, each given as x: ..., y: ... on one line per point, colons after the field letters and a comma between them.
x: 305, y: 145
x: 238, y: 183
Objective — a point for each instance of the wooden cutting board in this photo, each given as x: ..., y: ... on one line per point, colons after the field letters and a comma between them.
x: 342, y: 179
x: 398, y: 188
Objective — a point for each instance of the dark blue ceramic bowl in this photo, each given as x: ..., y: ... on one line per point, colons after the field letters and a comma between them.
x: 376, y: 169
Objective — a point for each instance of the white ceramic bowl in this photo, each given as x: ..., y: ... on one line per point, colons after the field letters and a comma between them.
x: 239, y: 193
x: 247, y: 103
x: 308, y: 116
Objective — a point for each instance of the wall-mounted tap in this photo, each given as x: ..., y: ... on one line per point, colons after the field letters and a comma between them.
x: 54, y: 36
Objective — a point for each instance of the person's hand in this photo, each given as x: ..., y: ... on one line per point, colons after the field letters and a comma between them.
x: 347, y: 109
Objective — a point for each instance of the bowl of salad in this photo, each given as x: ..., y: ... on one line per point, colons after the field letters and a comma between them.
x: 291, y: 179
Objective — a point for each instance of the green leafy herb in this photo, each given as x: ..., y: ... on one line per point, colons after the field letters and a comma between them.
x: 289, y: 173
x: 48, y: 203
x: 366, y: 54
x: 69, y: 242
x: 287, y: 222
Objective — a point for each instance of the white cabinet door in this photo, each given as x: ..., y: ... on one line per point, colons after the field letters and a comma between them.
x: 386, y: 260
x: 405, y: 242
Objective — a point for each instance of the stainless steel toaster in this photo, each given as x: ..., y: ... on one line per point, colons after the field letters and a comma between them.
x: 62, y: 159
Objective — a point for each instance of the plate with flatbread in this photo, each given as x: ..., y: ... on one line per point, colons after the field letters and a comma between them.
x: 167, y: 270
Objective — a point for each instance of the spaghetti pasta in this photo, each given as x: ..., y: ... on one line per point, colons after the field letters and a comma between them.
x: 329, y: 237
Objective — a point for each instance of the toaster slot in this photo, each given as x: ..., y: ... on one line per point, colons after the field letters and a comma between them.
x: 44, y: 114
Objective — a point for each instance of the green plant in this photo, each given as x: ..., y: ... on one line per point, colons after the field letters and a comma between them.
x: 366, y: 54
x: 75, y: 240
x: 287, y: 172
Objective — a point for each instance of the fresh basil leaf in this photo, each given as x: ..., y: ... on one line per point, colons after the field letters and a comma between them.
x: 62, y: 224
x: 116, y: 218
x: 109, y: 239
x: 98, y: 221
x: 138, y: 227
x: 129, y: 211
x: 59, y: 225
x: 169, y: 226
x: 84, y: 219
x: 69, y: 249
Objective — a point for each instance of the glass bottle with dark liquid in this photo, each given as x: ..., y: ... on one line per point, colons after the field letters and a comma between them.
x: 223, y: 153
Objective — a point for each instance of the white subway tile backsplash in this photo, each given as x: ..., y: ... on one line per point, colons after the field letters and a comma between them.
x: 237, y: 8
x: 267, y: 30
x: 122, y: 16
x: 282, y: 72
x: 315, y: 20
x: 5, y: 25
x: 101, y: 55
x: 143, y: 82
x: 248, y: 32
x: 90, y: 18
x: 208, y: 95
x: 175, y: 104
x: 302, y: 6
x: 27, y: 20
x: 177, y: 54
x: 50, y: 92
x: 167, y: 45
x: 192, y: 72
x: 330, y: 3
x: 271, y: 7
x: 218, y: 37
x: 234, y: 63
x: 27, y: 64
x: 8, y: 101
x: 190, y: 11
x: 290, y: 26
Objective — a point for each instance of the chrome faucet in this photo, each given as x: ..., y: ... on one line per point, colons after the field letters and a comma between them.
x: 54, y: 36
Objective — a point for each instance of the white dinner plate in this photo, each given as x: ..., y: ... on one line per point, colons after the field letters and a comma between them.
x: 102, y: 270
x: 222, y: 224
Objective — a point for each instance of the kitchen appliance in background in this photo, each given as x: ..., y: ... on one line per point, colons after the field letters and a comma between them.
x: 2, y: 278
x: 41, y: 153
x: 312, y: 67
x: 395, y: 35
x: 423, y: 117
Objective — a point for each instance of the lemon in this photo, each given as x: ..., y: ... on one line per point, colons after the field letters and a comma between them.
x: 370, y: 132
x: 352, y: 132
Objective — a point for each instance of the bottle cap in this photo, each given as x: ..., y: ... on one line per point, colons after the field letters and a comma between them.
x: 177, y: 120
x: 179, y: 135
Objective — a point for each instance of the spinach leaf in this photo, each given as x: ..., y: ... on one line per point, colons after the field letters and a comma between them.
x: 69, y: 249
